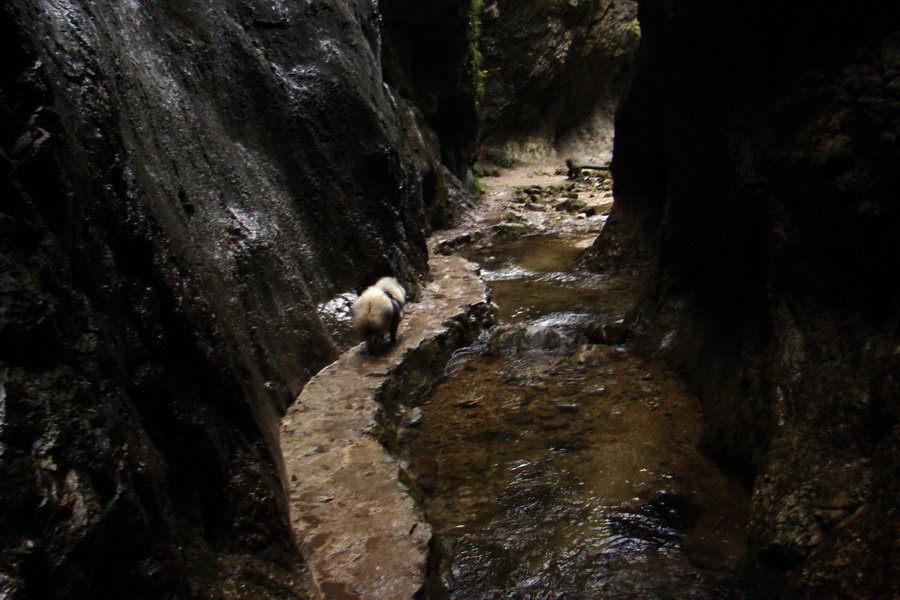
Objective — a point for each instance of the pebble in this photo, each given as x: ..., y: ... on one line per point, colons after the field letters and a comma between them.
x: 414, y: 417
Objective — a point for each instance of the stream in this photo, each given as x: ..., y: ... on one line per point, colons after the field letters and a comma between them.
x: 555, y: 468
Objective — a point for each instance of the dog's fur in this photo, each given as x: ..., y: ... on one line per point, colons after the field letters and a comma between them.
x: 377, y: 312
x: 392, y: 288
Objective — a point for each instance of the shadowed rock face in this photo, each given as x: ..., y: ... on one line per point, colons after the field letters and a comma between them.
x: 756, y: 176
x: 427, y: 48
x: 554, y: 73
x: 183, y: 183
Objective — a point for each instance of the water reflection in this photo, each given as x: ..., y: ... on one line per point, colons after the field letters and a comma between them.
x: 574, y: 473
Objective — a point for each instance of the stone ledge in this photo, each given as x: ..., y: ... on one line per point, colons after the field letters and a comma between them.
x: 361, y: 533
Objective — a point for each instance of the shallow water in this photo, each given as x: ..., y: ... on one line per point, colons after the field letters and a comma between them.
x: 569, y: 474
x: 533, y: 278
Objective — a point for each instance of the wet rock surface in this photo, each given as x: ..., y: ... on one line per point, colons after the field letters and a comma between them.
x: 755, y: 181
x: 428, y: 50
x: 360, y: 529
x: 184, y: 185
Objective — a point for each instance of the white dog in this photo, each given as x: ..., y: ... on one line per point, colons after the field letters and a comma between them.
x: 377, y: 312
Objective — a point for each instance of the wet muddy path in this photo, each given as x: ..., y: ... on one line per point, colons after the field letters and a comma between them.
x: 553, y: 467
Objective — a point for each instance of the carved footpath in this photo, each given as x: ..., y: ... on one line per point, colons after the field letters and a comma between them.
x: 361, y: 533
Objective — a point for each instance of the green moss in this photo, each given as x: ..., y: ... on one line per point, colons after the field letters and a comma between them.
x: 501, y: 159
x: 634, y: 27
x: 478, y: 187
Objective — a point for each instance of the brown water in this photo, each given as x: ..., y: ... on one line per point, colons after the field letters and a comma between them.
x: 569, y: 472
x: 533, y: 279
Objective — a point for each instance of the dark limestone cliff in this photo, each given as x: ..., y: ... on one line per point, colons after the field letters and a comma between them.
x: 757, y: 170
x: 427, y: 49
x: 182, y: 184
x: 554, y: 72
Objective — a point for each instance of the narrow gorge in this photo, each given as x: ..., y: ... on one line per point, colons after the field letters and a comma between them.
x: 193, y: 192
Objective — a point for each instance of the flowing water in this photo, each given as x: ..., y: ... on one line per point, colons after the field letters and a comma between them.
x: 551, y: 468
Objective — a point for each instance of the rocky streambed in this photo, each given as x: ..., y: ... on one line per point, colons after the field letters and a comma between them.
x: 540, y: 460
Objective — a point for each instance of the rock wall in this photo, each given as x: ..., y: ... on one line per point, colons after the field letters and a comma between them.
x: 554, y: 72
x: 183, y: 185
x: 756, y: 180
x: 428, y: 49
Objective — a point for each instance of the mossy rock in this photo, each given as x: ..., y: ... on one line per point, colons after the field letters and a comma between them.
x: 511, y: 231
